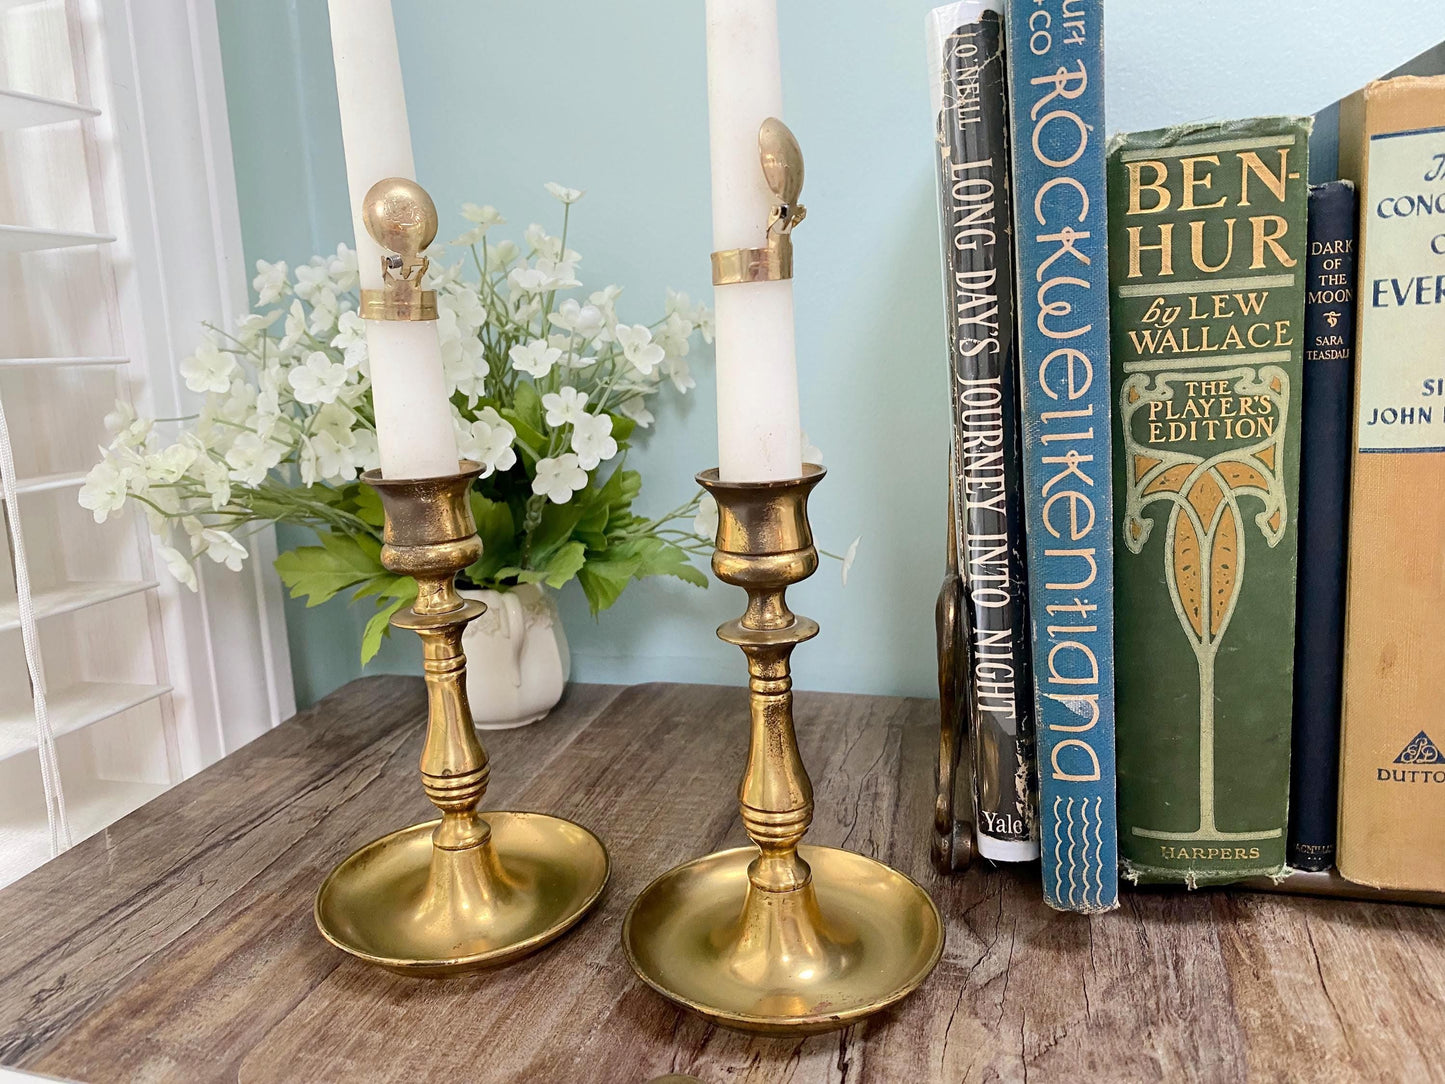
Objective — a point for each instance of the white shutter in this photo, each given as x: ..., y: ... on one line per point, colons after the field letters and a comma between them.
x: 118, y: 236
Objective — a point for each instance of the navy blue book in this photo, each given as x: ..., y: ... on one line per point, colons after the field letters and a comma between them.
x: 1056, y: 109
x: 1329, y: 381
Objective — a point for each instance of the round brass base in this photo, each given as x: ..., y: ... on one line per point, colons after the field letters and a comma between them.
x: 406, y: 905
x: 858, y: 939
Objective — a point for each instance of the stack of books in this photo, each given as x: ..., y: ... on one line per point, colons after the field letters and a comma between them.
x: 1199, y: 475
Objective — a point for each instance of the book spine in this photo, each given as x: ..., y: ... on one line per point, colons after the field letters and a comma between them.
x: 978, y: 268
x: 1056, y: 108
x: 1207, y: 251
x: 1392, y: 755
x: 1329, y: 376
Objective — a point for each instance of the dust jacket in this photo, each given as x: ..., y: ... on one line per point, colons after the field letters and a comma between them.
x: 1329, y: 380
x: 1392, y: 759
x: 1056, y: 110
x: 966, y: 49
x: 1207, y: 277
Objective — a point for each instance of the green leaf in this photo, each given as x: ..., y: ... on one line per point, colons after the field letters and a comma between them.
x: 368, y: 507
x: 603, y: 580
x: 565, y: 563
x: 622, y: 428
x: 664, y: 559
x: 319, y: 573
x: 379, y: 626
x: 498, y: 531
x: 555, y: 529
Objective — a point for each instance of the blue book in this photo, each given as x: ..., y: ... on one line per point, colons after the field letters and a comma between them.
x: 1056, y: 120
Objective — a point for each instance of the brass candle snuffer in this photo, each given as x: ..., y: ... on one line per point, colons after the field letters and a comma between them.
x: 777, y: 937
x: 466, y: 891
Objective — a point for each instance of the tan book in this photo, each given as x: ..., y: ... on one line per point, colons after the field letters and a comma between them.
x: 1392, y: 761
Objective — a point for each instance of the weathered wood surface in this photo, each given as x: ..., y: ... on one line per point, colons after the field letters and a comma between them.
x: 179, y: 945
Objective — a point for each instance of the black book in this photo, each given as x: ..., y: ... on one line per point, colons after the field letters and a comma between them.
x: 967, y: 49
x: 1329, y: 380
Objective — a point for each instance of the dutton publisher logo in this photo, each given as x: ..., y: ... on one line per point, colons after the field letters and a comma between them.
x: 1424, y: 763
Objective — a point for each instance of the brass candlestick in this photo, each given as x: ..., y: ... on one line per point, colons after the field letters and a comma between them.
x: 778, y: 937
x: 462, y: 892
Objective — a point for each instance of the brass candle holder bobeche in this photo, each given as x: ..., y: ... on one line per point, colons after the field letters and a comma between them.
x: 778, y: 937
x: 465, y: 891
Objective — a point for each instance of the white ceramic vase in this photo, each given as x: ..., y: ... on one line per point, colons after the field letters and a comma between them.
x: 517, y: 657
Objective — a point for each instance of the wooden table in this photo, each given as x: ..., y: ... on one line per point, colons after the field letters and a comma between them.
x: 178, y: 945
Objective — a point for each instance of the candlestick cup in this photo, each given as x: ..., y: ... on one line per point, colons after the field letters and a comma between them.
x: 778, y: 937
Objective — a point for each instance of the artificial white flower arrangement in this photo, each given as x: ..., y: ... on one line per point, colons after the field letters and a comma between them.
x: 547, y: 390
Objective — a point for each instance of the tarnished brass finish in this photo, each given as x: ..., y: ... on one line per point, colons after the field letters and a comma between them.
x: 402, y: 219
x: 774, y: 937
x: 781, y: 160
x: 953, y: 827
x: 465, y: 891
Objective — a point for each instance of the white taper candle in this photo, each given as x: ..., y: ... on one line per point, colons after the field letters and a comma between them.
x: 757, y: 371
x: 408, y: 389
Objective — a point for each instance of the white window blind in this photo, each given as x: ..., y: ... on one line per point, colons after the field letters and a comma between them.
x: 117, y: 238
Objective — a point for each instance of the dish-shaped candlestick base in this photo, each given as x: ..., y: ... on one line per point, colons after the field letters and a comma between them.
x: 777, y: 937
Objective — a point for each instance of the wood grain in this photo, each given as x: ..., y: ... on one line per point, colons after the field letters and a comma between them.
x: 180, y: 946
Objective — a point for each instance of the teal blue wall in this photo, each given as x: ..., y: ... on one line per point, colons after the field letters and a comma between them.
x: 611, y: 97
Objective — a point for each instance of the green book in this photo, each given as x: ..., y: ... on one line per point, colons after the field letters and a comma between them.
x: 1207, y: 253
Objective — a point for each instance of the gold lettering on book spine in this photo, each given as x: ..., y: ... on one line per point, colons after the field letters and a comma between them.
x: 1204, y: 542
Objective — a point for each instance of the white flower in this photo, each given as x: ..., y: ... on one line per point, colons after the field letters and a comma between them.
x: 542, y: 243
x: 592, y: 440
x: 251, y: 457
x: 217, y: 480
x: 104, y: 490
x: 585, y: 321
x: 638, y: 348
x: 311, y: 281
x: 317, y: 379
x: 343, y: 269
x: 338, y: 419
x: 208, y: 369
x: 488, y: 441
x: 536, y: 358
x: 704, y: 524
x: 544, y: 276
x: 635, y: 407
x: 485, y: 216
x: 325, y: 308
x: 364, y: 453
x: 178, y: 564
x: 811, y: 452
x: 270, y: 282
x: 673, y: 335
x: 167, y: 467
x: 559, y: 478
x: 699, y: 315
x: 848, y: 557
x: 566, y: 195
x: 325, y: 459
x: 251, y: 328
x: 564, y: 406
x: 295, y: 327
x: 676, y: 370
x: 222, y: 548
x: 127, y: 430
x: 350, y: 339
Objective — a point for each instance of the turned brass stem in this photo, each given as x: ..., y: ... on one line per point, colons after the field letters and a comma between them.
x: 764, y: 544
x: 430, y: 536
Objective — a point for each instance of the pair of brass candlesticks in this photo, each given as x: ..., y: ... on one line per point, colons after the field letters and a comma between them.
x: 776, y: 937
